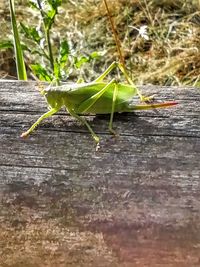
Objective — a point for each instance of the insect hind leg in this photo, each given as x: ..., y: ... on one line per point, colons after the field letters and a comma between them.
x: 115, y: 92
x: 128, y: 79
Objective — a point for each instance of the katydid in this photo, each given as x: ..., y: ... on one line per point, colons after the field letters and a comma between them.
x: 96, y: 97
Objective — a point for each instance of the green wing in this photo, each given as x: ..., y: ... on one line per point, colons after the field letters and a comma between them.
x: 79, y: 93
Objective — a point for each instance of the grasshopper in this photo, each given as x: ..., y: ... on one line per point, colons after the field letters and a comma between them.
x: 96, y: 97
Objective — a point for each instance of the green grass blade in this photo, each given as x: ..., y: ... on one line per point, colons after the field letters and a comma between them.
x: 21, y: 69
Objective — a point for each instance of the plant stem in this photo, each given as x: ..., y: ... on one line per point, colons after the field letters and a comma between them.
x: 47, y: 35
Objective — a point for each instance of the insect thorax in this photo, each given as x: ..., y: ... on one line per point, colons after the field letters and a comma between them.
x: 54, y: 98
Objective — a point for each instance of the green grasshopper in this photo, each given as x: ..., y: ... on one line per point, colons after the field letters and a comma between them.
x: 95, y: 97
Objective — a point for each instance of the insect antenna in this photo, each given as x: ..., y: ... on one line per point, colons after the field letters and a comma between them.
x: 116, y: 35
x: 118, y: 43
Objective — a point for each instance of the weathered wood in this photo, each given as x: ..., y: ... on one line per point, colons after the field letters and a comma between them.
x: 135, y: 202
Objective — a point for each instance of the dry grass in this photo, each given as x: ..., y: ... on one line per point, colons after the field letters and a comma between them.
x: 170, y: 56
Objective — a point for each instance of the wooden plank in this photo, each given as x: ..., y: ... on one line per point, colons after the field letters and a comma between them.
x: 135, y: 202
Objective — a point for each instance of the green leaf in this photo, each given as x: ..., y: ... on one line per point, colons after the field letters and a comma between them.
x: 31, y: 33
x: 64, y: 53
x: 57, y: 71
x: 51, y: 14
x: 84, y: 59
x: 55, y: 3
x: 21, y: 69
x: 33, y: 5
x: 95, y: 54
x: 49, y: 18
x: 80, y: 61
x: 41, y: 72
x: 6, y: 44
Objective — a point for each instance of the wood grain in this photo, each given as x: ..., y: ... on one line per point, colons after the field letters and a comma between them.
x: 135, y: 202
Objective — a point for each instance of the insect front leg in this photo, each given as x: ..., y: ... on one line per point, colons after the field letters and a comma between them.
x: 45, y: 115
x: 106, y: 72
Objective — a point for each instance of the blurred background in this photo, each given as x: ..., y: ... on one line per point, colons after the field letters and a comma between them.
x: 160, y: 40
